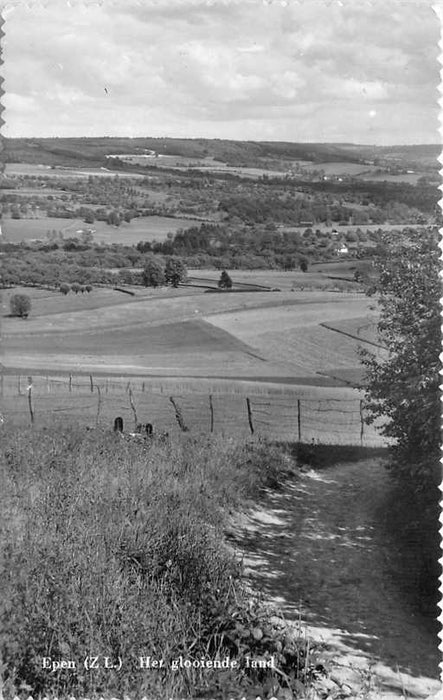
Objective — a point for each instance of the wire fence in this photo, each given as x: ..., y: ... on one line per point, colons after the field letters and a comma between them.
x: 96, y: 401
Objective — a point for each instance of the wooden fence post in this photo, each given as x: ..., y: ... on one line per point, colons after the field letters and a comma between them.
x: 19, y: 386
x: 99, y: 404
x: 211, y: 409
x: 299, y: 419
x: 178, y: 415
x: 251, y: 425
x: 362, y: 423
x: 29, y: 389
x: 92, y: 383
x: 131, y: 401
x: 70, y: 382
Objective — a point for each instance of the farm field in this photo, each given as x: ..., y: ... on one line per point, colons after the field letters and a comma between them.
x: 341, y: 168
x: 47, y: 171
x: 299, y: 340
x: 145, y: 228
x: 363, y: 327
x: 46, y: 302
x: 251, y: 336
x: 272, y: 278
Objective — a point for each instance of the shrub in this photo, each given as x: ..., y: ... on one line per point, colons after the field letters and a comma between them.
x: 20, y: 305
x: 76, y: 287
x: 225, y: 282
x: 65, y: 288
x: 89, y: 288
x: 153, y: 273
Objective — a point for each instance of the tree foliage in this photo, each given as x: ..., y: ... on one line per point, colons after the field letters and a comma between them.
x: 153, y: 273
x: 403, y: 389
x: 175, y: 271
x: 225, y: 281
x: 20, y: 305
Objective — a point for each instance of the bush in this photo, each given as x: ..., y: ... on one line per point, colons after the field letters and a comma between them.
x: 65, y: 288
x: 162, y: 583
x: 20, y: 305
x: 76, y: 287
x: 225, y: 282
x: 153, y: 273
x: 89, y: 288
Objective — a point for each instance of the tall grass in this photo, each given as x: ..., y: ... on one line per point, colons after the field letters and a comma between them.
x: 115, y: 548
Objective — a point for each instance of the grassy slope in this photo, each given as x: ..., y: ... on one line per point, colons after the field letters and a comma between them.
x: 150, y: 518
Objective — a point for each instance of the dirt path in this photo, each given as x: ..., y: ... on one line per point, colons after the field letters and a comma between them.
x: 319, y: 550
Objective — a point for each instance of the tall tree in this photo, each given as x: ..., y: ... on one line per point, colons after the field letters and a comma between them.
x: 403, y: 389
x: 175, y: 271
x: 153, y: 273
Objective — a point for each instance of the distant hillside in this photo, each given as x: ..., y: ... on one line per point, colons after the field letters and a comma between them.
x: 93, y: 151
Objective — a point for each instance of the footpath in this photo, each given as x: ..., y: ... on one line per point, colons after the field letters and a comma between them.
x: 320, y: 551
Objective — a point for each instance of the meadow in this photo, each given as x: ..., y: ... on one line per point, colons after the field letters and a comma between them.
x: 275, y: 348
x: 146, y: 228
x: 38, y: 170
x: 164, y: 583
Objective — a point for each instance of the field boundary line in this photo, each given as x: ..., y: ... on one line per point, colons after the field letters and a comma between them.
x: 351, y: 335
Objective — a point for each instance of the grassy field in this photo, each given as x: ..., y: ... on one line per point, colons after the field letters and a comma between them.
x: 264, y: 345
x: 269, y: 278
x: 62, y: 172
x: 163, y: 583
x: 145, y: 228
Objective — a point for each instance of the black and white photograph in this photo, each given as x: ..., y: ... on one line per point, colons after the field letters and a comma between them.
x: 219, y: 350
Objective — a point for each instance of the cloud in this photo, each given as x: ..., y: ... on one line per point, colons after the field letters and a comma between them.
x: 311, y: 69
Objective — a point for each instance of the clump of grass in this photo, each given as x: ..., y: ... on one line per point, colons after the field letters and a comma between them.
x: 114, y: 549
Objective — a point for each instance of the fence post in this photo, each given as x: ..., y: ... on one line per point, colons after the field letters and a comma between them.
x: 143, y: 386
x: 92, y: 383
x: 178, y: 415
x: 299, y: 419
x: 29, y: 389
x: 251, y: 425
x: 131, y: 401
x: 99, y: 404
x: 211, y: 409
x: 19, y: 386
x: 70, y: 382
x: 362, y: 423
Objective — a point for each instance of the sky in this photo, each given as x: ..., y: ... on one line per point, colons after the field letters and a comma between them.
x: 361, y: 71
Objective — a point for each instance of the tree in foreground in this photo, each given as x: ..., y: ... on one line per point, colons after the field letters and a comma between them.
x: 403, y: 387
x: 175, y: 271
x: 20, y: 305
x: 153, y: 273
x: 225, y: 282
